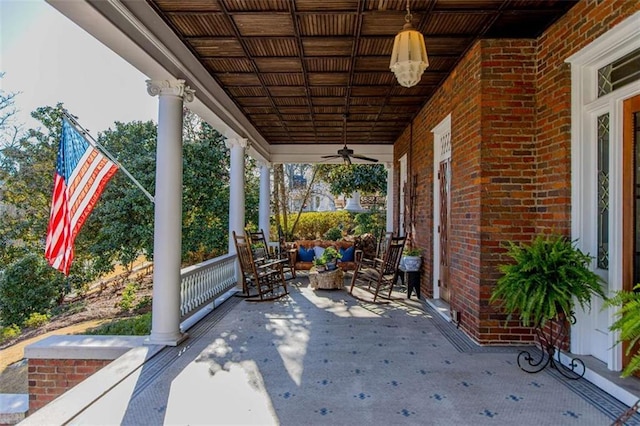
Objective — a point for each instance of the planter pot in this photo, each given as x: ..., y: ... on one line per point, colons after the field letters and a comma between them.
x: 411, y: 263
x: 331, y: 266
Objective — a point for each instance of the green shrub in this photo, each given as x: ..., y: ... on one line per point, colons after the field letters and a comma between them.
x: 27, y: 286
x: 135, y: 326
x: 313, y: 225
x: 128, y: 296
x: 369, y: 223
x: 36, y: 320
x: 69, y: 308
x: 9, y: 332
x: 333, y: 234
x: 143, y: 304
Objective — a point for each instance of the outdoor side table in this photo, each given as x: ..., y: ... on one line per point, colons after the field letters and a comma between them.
x: 412, y: 280
x: 326, y: 280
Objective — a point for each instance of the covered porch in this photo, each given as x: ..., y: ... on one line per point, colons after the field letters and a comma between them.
x: 324, y: 357
x: 497, y: 115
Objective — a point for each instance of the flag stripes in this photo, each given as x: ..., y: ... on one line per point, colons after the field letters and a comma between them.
x: 82, y: 172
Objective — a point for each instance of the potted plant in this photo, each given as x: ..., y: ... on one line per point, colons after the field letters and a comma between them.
x: 548, y: 278
x: 330, y: 257
x: 411, y: 259
x: 628, y: 324
x: 319, y: 263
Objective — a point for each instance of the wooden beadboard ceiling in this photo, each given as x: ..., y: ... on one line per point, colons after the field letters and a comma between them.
x: 296, y: 67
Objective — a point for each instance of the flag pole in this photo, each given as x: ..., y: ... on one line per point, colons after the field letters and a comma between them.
x: 95, y: 143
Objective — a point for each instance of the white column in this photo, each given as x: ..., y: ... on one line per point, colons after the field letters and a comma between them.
x: 236, y: 188
x: 389, y: 167
x: 167, y: 232
x: 264, y: 212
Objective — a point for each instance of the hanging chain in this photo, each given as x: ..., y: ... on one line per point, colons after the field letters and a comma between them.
x: 408, y: 16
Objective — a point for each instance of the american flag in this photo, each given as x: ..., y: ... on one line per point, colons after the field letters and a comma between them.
x: 81, y: 174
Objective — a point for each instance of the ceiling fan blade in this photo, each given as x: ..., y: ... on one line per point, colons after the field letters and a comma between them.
x: 331, y: 156
x: 362, y: 157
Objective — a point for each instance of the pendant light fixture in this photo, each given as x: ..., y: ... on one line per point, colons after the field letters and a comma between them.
x: 409, y: 57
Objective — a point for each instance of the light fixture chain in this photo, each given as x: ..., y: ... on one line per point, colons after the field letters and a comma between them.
x: 408, y: 16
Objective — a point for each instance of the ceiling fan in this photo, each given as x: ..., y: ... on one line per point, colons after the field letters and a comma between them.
x: 346, y: 153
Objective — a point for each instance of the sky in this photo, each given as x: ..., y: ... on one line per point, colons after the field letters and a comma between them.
x: 49, y: 59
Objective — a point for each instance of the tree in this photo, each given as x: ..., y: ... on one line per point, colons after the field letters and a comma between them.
x: 346, y: 179
x: 120, y: 229
x: 205, y: 191
x: 27, y: 180
x: 10, y: 131
x: 29, y: 286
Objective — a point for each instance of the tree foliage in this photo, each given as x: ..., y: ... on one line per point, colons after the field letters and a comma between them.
x: 347, y: 179
x: 29, y: 286
x: 27, y: 178
x: 120, y: 228
x: 10, y: 129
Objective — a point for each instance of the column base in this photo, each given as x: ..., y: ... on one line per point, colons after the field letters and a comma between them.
x: 166, y: 339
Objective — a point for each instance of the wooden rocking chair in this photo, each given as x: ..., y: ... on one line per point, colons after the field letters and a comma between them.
x: 381, y: 273
x: 259, y: 244
x: 263, y: 280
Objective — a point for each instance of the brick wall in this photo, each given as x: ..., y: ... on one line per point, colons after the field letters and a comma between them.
x: 508, y: 205
x: 50, y: 378
x: 580, y: 26
x: 510, y: 104
x: 460, y: 96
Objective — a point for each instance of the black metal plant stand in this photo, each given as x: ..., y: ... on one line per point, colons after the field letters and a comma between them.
x: 550, y: 338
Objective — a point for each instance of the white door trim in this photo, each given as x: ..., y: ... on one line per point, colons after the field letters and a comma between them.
x: 441, y: 151
x: 586, y: 107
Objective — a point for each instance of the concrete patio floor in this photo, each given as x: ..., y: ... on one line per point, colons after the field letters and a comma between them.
x: 325, y: 357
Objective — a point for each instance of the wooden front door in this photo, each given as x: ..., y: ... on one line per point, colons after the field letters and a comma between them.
x: 631, y: 197
x: 444, y: 176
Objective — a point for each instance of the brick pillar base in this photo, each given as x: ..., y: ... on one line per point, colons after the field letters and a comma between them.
x: 50, y: 378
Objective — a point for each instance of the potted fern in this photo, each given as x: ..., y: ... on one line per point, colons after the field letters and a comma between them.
x: 628, y: 324
x: 544, y: 284
x: 546, y: 281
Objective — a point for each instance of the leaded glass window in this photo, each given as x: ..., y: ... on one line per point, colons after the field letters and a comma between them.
x: 619, y: 73
x: 603, y: 191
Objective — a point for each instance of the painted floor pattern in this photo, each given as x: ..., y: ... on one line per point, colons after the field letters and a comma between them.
x: 324, y: 357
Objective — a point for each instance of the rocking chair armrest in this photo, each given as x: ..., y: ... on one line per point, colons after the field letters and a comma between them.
x: 272, y: 263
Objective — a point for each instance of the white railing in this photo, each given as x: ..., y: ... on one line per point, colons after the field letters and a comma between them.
x: 202, y: 283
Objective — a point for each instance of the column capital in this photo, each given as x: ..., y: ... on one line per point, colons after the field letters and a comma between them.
x: 388, y: 165
x: 230, y: 143
x: 264, y: 163
x: 171, y: 88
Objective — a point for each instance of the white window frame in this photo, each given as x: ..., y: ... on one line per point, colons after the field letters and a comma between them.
x: 585, y: 108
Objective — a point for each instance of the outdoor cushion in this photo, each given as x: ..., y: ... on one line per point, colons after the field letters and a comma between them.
x: 347, y: 254
x: 306, y: 255
x: 318, y: 251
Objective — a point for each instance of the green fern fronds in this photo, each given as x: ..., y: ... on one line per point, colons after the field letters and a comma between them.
x: 627, y: 324
x: 546, y: 279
